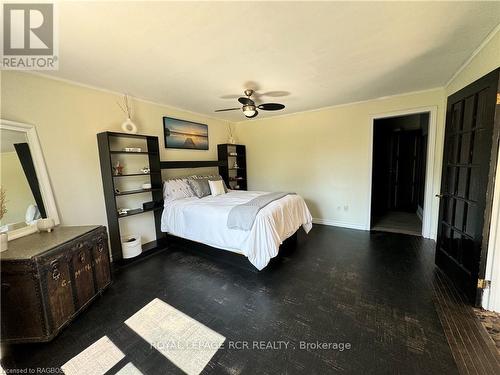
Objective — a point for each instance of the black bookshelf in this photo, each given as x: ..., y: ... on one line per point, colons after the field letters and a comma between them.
x: 110, y: 194
x: 235, y: 178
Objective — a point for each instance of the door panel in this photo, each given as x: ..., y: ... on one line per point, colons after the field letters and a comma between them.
x: 404, y: 178
x: 469, y: 161
x: 84, y: 279
x: 101, y: 263
x: 59, y: 291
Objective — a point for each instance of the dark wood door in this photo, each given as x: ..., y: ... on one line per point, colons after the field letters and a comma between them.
x: 469, y: 163
x: 404, y: 178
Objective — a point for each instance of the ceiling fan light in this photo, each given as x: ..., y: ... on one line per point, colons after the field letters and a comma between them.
x: 249, y: 110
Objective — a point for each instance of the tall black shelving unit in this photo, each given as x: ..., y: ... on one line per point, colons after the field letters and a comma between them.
x: 235, y: 178
x: 108, y: 181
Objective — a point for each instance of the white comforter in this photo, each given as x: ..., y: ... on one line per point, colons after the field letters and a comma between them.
x: 205, y: 220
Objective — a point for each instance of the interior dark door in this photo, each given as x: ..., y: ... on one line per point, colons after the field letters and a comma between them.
x: 405, y: 151
x: 469, y: 163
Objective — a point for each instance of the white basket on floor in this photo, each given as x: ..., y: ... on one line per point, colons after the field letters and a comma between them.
x: 131, y: 246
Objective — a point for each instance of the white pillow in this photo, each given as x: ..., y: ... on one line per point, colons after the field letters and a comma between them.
x: 216, y: 187
x: 176, y: 189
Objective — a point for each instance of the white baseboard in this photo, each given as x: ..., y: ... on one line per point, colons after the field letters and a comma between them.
x: 339, y: 223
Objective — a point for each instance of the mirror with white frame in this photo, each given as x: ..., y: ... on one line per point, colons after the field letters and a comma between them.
x: 26, y: 194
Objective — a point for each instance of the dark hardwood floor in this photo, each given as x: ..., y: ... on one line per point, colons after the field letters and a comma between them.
x: 472, y: 348
x: 371, y: 290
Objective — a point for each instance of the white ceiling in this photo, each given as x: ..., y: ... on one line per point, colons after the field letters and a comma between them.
x: 192, y: 55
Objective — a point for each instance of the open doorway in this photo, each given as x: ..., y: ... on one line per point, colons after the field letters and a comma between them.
x: 399, y: 173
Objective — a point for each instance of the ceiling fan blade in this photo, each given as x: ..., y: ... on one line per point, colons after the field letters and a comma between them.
x: 246, y: 101
x: 227, y: 109
x: 271, y: 106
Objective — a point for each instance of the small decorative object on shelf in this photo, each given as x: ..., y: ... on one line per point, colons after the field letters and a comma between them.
x: 146, y: 185
x: 45, y: 225
x: 233, y: 154
x: 123, y: 211
x: 235, y: 165
x: 127, y: 126
x: 118, y: 169
x: 132, y: 149
x: 145, y: 170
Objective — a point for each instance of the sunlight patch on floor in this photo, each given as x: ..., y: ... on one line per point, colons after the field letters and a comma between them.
x: 187, y: 343
x: 129, y: 369
x: 95, y: 360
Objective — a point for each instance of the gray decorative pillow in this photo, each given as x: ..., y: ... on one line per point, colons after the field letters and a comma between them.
x: 211, y: 178
x: 200, y: 187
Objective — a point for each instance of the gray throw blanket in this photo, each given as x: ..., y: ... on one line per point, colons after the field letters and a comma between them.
x: 243, y: 215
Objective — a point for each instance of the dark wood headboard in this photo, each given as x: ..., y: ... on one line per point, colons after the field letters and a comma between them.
x: 192, y: 164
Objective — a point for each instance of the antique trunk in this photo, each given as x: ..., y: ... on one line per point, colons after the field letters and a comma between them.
x: 49, y: 278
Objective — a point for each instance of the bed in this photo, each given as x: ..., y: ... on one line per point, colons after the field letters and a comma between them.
x: 205, y: 220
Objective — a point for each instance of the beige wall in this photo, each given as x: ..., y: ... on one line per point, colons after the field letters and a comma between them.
x: 486, y: 60
x: 325, y: 155
x: 67, y: 118
x: 17, y: 190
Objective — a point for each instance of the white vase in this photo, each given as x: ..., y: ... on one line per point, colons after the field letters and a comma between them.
x: 4, y: 241
x: 129, y: 127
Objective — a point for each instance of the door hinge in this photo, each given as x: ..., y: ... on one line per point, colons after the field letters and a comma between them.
x: 483, y: 284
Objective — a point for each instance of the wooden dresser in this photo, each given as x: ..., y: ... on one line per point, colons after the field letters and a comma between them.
x: 49, y: 278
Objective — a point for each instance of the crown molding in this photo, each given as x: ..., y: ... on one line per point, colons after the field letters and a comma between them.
x: 97, y: 88
x: 473, y: 55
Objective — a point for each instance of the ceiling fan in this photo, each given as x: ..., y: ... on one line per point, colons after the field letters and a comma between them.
x: 249, y: 107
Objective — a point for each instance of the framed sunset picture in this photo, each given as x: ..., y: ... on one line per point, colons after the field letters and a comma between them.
x: 185, y: 134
